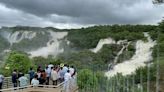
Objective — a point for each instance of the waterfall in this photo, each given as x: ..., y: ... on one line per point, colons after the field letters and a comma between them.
x: 143, y: 54
x: 101, y: 43
x: 53, y: 45
x: 120, y: 52
x: 18, y: 36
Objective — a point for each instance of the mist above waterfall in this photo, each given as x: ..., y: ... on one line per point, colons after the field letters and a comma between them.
x: 53, y: 45
x: 142, y: 55
x: 15, y: 37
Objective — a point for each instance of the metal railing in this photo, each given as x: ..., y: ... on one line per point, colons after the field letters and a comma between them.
x: 8, y: 87
x: 22, y: 89
x: 7, y: 83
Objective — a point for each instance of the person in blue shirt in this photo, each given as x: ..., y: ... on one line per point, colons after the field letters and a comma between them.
x: 31, y: 74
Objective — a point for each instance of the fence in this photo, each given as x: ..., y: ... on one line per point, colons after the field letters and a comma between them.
x: 8, y: 87
x: 39, y: 88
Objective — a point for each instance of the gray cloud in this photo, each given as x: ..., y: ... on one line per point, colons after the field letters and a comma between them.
x: 85, y: 12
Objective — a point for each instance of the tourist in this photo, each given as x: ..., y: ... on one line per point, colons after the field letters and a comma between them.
x: 31, y: 74
x: 61, y: 72
x: 14, y: 78
x: 65, y: 68
x: 1, y: 81
x: 43, y: 77
x: 58, y: 72
x: 20, y: 74
x: 48, y: 74
x: 39, y: 68
x: 72, y: 70
x: 73, y: 80
x: 35, y: 81
x: 54, y: 76
x: 39, y: 74
x: 67, y: 78
x: 23, y: 81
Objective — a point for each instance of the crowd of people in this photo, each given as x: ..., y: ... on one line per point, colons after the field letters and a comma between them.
x: 51, y: 75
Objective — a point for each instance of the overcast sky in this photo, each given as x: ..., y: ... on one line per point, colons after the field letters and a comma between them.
x: 78, y: 13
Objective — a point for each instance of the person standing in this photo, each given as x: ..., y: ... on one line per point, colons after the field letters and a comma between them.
x: 23, y: 81
x: 72, y: 70
x: 73, y: 80
x: 67, y: 79
x: 39, y: 74
x: 20, y: 74
x: 54, y: 76
x: 43, y: 77
x: 14, y: 78
x: 48, y: 74
x: 61, y: 72
x: 65, y: 68
x: 1, y: 81
x: 31, y: 74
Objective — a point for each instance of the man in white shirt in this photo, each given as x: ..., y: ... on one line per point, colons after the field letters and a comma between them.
x: 1, y: 81
x: 35, y: 81
x: 72, y: 70
x: 23, y: 81
x: 54, y: 76
x: 65, y: 68
x: 67, y: 78
x: 48, y: 74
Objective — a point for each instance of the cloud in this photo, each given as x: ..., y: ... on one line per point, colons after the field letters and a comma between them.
x: 71, y: 13
x: 13, y: 17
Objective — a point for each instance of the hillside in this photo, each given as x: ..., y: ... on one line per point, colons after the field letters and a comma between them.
x: 94, y: 48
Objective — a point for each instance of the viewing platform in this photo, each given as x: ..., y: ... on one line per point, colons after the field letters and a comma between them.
x: 8, y: 87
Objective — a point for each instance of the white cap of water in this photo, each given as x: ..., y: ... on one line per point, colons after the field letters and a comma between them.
x: 143, y: 54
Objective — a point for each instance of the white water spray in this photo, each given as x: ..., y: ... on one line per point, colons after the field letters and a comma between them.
x: 101, y: 43
x: 18, y: 36
x: 143, y: 54
x: 53, y: 45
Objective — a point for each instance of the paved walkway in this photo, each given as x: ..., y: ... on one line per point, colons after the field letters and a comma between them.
x: 7, y: 87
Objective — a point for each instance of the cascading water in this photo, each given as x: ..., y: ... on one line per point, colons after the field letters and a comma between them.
x: 18, y: 36
x: 120, y: 52
x: 143, y: 54
x: 106, y: 41
x: 101, y: 43
x: 53, y: 45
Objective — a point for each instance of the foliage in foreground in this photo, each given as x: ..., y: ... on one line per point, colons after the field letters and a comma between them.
x: 18, y: 61
x: 86, y: 78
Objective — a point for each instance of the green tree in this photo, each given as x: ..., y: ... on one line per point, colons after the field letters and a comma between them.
x: 18, y: 61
